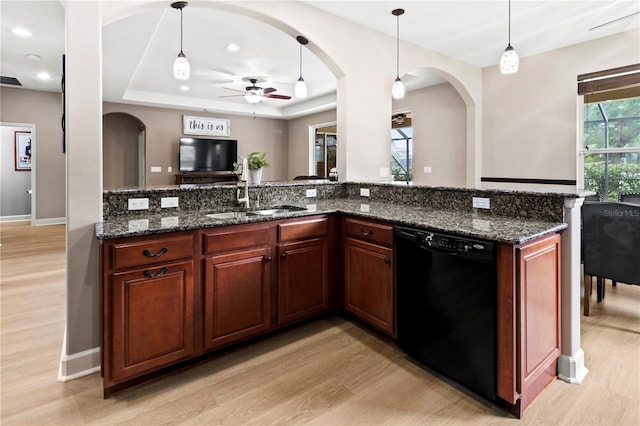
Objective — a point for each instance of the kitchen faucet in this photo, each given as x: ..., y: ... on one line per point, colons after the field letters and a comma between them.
x: 244, y: 178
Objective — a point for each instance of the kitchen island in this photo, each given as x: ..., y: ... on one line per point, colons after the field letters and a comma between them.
x: 197, y: 251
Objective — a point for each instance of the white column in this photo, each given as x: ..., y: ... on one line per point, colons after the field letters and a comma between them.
x: 571, y: 366
x: 83, y: 84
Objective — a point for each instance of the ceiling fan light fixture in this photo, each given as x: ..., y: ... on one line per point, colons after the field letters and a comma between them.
x: 253, y: 98
x: 301, y: 87
x: 181, y: 67
x: 509, y: 62
x: 397, y: 90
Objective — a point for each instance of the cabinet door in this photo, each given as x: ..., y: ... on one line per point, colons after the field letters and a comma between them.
x: 237, y: 294
x: 152, y: 319
x: 369, y: 291
x: 528, y: 319
x: 302, y: 279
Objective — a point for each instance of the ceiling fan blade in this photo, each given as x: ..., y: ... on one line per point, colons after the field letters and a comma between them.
x: 235, y: 90
x: 229, y: 96
x: 272, y: 96
x: 268, y: 90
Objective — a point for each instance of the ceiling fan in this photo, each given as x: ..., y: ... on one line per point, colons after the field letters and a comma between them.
x: 254, y: 94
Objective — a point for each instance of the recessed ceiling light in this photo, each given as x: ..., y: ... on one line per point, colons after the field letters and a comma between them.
x: 184, y: 88
x: 22, y: 32
x: 232, y: 47
x: 43, y: 75
x: 33, y: 57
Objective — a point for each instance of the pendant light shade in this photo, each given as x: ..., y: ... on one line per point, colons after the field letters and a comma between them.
x: 181, y: 67
x: 397, y: 90
x: 509, y: 61
x: 301, y: 86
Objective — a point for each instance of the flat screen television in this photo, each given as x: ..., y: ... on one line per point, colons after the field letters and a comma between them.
x: 207, y: 155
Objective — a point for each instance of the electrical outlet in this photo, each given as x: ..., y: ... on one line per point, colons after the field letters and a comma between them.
x: 481, y: 203
x: 169, y: 169
x: 311, y: 193
x: 169, y: 222
x: 166, y: 202
x: 137, y: 225
x: 138, y: 203
x: 427, y: 169
x: 364, y: 192
x: 156, y: 169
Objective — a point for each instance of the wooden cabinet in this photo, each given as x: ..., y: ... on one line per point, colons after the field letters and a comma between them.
x: 302, y: 269
x: 147, y: 310
x: 237, y: 275
x: 368, y: 273
x: 528, y: 319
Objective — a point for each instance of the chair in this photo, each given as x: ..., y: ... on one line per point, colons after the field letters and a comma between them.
x: 597, y: 197
x: 610, y: 245
x: 629, y: 197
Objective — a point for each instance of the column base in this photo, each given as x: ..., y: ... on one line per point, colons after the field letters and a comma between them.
x: 571, y: 369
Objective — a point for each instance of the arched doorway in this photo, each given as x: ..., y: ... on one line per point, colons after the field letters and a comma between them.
x: 123, y: 150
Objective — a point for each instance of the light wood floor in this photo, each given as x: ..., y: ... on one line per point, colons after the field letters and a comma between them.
x: 329, y: 372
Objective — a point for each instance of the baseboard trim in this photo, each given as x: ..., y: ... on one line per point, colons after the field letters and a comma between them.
x: 15, y: 218
x: 50, y: 221
x: 79, y: 364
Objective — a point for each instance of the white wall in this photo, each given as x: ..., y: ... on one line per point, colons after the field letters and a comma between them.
x: 15, y: 203
x: 530, y: 127
x: 300, y: 149
x: 439, y: 134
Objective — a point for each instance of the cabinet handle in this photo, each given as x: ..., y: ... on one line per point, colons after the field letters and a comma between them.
x: 162, y: 251
x: 162, y: 271
x: 366, y: 233
x: 387, y: 260
x: 266, y: 258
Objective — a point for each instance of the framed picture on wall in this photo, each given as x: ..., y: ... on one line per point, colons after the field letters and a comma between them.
x: 22, y: 153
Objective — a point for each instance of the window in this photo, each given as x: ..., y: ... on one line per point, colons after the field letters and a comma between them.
x: 401, y: 147
x: 611, y: 132
x: 612, y: 146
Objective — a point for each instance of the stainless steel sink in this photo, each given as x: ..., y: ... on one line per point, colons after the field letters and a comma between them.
x: 226, y: 215
x: 275, y: 210
x: 271, y: 211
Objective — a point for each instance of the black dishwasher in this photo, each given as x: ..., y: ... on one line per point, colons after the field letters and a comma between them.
x: 446, y: 294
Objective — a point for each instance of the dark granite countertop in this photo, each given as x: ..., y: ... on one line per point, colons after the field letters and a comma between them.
x: 464, y: 223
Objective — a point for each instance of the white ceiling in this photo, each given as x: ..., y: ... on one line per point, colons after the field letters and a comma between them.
x: 138, y: 51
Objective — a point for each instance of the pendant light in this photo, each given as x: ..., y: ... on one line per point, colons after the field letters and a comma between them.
x: 509, y: 61
x: 181, y: 68
x: 301, y: 86
x: 397, y: 90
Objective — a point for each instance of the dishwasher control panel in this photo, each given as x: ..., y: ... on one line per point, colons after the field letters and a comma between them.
x: 446, y: 242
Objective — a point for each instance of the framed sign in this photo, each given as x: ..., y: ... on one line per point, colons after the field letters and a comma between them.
x: 205, y: 126
x: 22, y: 150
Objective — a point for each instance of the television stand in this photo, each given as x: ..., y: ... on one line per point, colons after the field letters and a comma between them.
x: 205, y: 177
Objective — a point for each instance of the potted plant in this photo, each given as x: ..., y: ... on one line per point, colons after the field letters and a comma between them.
x: 256, y: 162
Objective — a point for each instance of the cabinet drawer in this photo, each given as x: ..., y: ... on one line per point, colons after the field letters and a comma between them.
x: 236, y: 237
x: 151, y: 250
x: 303, y: 230
x: 372, y: 232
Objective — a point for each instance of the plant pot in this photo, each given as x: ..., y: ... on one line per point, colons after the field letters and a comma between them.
x: 255, y: 176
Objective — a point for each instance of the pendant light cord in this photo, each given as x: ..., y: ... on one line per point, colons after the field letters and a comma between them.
x: 181, y: 29
x: 398, y: 45
x: 300, y: 60
x: 509, y: 36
